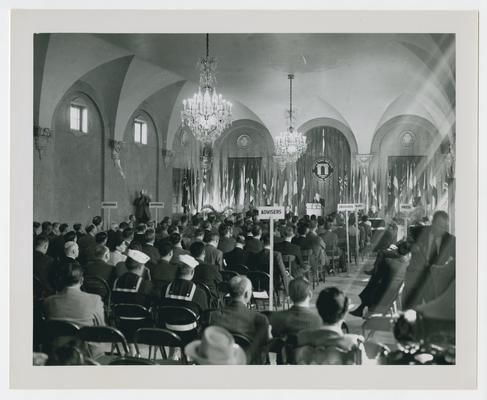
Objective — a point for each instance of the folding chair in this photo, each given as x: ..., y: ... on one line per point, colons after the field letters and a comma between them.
x: 158, y: 339
x: 239, y: 269
x: 288, y: 262
x: 104, y: 334
x: 55, y: 328
x: 178, y: 319
x: 97, y: 285
x: 228, y: 274
x: 260, y: 287
x: 128, y: 318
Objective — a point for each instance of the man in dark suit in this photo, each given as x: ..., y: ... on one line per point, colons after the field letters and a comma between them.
x: 207, y: 274
x: 56, y: 245
x: 252, y: 242
x: 99, y: 265
x: 164, y: 272
x: 300, y: 316
x: 300, y: 240
x: 260, y: 262
x: 149, y: 249
x: 238, y: 256
x: 43, y: 264
x: 177, y: 247
x: 227, y: 242
x: 87, y: 244
x: 432, y: 266
x: 212, y: 254
x: 236, y: 317
x: 287, y: 248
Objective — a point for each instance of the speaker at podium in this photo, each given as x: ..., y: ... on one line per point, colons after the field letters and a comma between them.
x: 314, y: 209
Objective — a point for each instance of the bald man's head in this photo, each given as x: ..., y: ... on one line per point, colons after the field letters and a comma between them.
x: 241, y: 288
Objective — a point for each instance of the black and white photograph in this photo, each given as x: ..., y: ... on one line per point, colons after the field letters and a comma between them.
x: 161, y: 159
x: 262, y: 199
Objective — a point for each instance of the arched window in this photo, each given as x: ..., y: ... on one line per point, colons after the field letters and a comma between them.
x: 140, y: 131
x: 78, y: 116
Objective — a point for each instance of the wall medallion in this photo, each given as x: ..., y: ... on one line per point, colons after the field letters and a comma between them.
x: 243, y: 141
x: 407, y: 138
x: 323, y: 169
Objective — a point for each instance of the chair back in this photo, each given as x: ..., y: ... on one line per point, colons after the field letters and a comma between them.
x: 239, y: 269
x: 260, y: 281
x: 131, y: 361
x: 130, y: 317
x: 288, y: 260
x: 97, y: 285
x: 307, y: 255
x: 103, y: 334
x: 176, y: 318
x: 242, y: 341
x: 157, y: 337
x: 228, y: 274
x: 207, y: 291
x: 54, y: 328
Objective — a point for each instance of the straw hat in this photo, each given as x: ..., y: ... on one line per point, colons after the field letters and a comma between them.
x: 217, y: 347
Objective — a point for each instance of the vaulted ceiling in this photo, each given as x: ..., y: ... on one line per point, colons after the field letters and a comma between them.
x: 360, y: 80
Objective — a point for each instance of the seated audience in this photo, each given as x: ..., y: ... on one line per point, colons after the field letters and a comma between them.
x: 149, y: 248
x: 86, y: 244
x: 300, y: 239
x: 260, y: 262
x: 252, y: 242
x: 119, y: 247
x: 182, y: 291
x: 43, y: 264
x: 238, y: 256
x: 385, y: 282
x: 289, y: 323
x: 99, y: 266
x: 332, y: 305
x: 131, y: 287
x: 216, y: 347
x: 177, y: 246
x: 286, y: 248
x: 207, y: 274
x: 227, y: 242
x: 212, y: 254
x: 101, y: 238
x: 237, y: 318
x: 72, y: 304
x: 164, y: 272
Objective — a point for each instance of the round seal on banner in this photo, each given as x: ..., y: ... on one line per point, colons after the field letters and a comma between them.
x: 323, y: 169
x: 243, y: 141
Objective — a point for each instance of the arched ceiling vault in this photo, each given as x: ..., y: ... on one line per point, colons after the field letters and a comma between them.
x: 359, y: 80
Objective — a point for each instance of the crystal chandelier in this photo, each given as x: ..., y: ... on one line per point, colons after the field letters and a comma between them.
x: 207, y: 114
x: 291, y: 144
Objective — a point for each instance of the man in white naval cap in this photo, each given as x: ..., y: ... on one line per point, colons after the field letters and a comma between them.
x: 183, y: 291
x: 131, y: 287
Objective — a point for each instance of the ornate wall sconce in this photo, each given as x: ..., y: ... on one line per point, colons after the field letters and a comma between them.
x: 167, y: 157
x: 42, y: 137
x: 117, y: 146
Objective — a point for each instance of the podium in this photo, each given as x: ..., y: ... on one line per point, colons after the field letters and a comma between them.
x: 314, y: 209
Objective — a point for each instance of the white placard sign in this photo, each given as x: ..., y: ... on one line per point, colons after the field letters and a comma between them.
x: 346, y: 207
x: 406, y: 208
x: 156, y: 204
x: 109, y: 204
x: 271, y: 212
